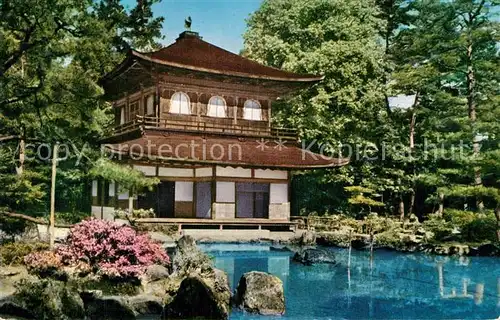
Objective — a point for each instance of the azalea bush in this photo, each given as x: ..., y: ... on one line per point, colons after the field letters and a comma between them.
x: 111, y: 249
x: 43, y: 263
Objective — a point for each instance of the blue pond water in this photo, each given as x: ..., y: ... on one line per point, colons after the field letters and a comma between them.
x: 392, y: 286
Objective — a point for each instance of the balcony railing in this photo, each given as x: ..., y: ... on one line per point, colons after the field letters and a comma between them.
x: 245, y: 128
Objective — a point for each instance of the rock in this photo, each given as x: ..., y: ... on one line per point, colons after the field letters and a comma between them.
x: 280, y: 249
x: 188, y: 259
x: 10, y: 306
x: 312, y: 256
x: 186, y: 242
x: 49, y: 299
x: 146, y: 304
x: 156, y: 272
x: 260, y: 292
x: 109, y: 308
x: 487, y: 250
x: 196, y: 298
x: 359, y: 244
x: 307, y: 238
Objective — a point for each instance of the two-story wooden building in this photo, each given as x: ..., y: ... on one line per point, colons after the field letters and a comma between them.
x: 199, y: 118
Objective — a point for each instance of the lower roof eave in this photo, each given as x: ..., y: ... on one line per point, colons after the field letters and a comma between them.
x: 335, y: 162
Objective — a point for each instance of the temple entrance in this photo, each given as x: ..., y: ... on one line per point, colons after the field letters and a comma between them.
x: 161, y: 199
x: 204, y: 200
x: 252, y: 200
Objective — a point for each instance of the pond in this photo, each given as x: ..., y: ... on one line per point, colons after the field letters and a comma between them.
x: 392, y: 285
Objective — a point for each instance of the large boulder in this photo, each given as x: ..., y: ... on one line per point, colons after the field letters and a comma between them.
x: 260, y: 292
x: 189, y: 259
x: 198, y: 298
x: 109, y: 308
x: 156, y: 272
x: 314, y: 256
x: 186, y: 242
x: 307, y: 238
x: 146, y: 304
x: 49, y: 299
x: 485, y: 250
x: 10, y: 306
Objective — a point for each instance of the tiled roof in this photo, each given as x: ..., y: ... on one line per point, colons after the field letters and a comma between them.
x: 213, y: 149
x: 191, y: 52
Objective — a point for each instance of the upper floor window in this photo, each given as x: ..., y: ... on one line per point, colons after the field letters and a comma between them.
x: 150, y: 105
x: 133, y: 110
x: 252, y: 110
x: 179, y: 103
x: 216, y: 107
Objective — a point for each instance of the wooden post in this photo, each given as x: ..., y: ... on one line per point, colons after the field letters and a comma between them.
x: 53, y: 196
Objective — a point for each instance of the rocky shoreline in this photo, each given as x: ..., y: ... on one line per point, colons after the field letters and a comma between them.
x: 189, y: 288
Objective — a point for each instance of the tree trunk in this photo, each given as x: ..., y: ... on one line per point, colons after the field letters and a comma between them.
x: 53, y: 196
x: 401, y: 209
x: 471, y: 104
x: 441, y: 205
x: 412, y: 203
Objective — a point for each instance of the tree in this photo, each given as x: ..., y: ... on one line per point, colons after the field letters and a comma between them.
x: 128, y: 179
x: 337, y: 39
x: 52, y: 55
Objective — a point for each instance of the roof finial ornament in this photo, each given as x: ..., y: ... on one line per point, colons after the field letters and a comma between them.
x: 187, y: 23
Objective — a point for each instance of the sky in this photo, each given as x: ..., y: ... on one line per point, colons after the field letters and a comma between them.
x: 220, y: 22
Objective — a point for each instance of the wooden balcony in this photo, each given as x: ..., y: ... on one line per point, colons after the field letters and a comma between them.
x: 195, y: 124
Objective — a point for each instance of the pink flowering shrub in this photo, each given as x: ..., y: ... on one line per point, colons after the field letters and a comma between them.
x: 43, y: 263
x: 111, y: 249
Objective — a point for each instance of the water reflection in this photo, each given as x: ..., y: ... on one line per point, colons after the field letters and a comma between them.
x: 382, y: 285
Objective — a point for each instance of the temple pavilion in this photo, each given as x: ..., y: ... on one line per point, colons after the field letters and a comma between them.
x: 198, y: 117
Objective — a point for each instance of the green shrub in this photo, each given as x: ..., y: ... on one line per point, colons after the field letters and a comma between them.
x: 11, y: 226
x: 14, y: 253
x: 442, y: 229
x: 71, y: 217
x: 481, y: 229
x: 473, y: 226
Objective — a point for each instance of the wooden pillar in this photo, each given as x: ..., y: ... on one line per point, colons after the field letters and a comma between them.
x: 269, y: 113
x: 142, y: 105
x: 198, y: 106
x: 235, y: 111
x: 213, y: 192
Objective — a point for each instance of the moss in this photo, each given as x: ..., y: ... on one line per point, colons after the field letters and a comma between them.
x: 14, y: 253
x: 122, y: 287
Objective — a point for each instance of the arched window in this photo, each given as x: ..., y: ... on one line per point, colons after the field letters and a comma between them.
x: 150, y: 105
x: 252, y: 110
x: 216, y: 107
x: 179, y: 103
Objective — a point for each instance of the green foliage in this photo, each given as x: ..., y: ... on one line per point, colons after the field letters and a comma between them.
x: 52, y: 55
x: 126, y: 177
x: 71, y: 217
x: 361, y: 197
x: 474, y: 227
x: 14, y: 253
x: 129, y: 287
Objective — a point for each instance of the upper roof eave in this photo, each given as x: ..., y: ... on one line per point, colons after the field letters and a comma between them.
x: 226, y: 73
